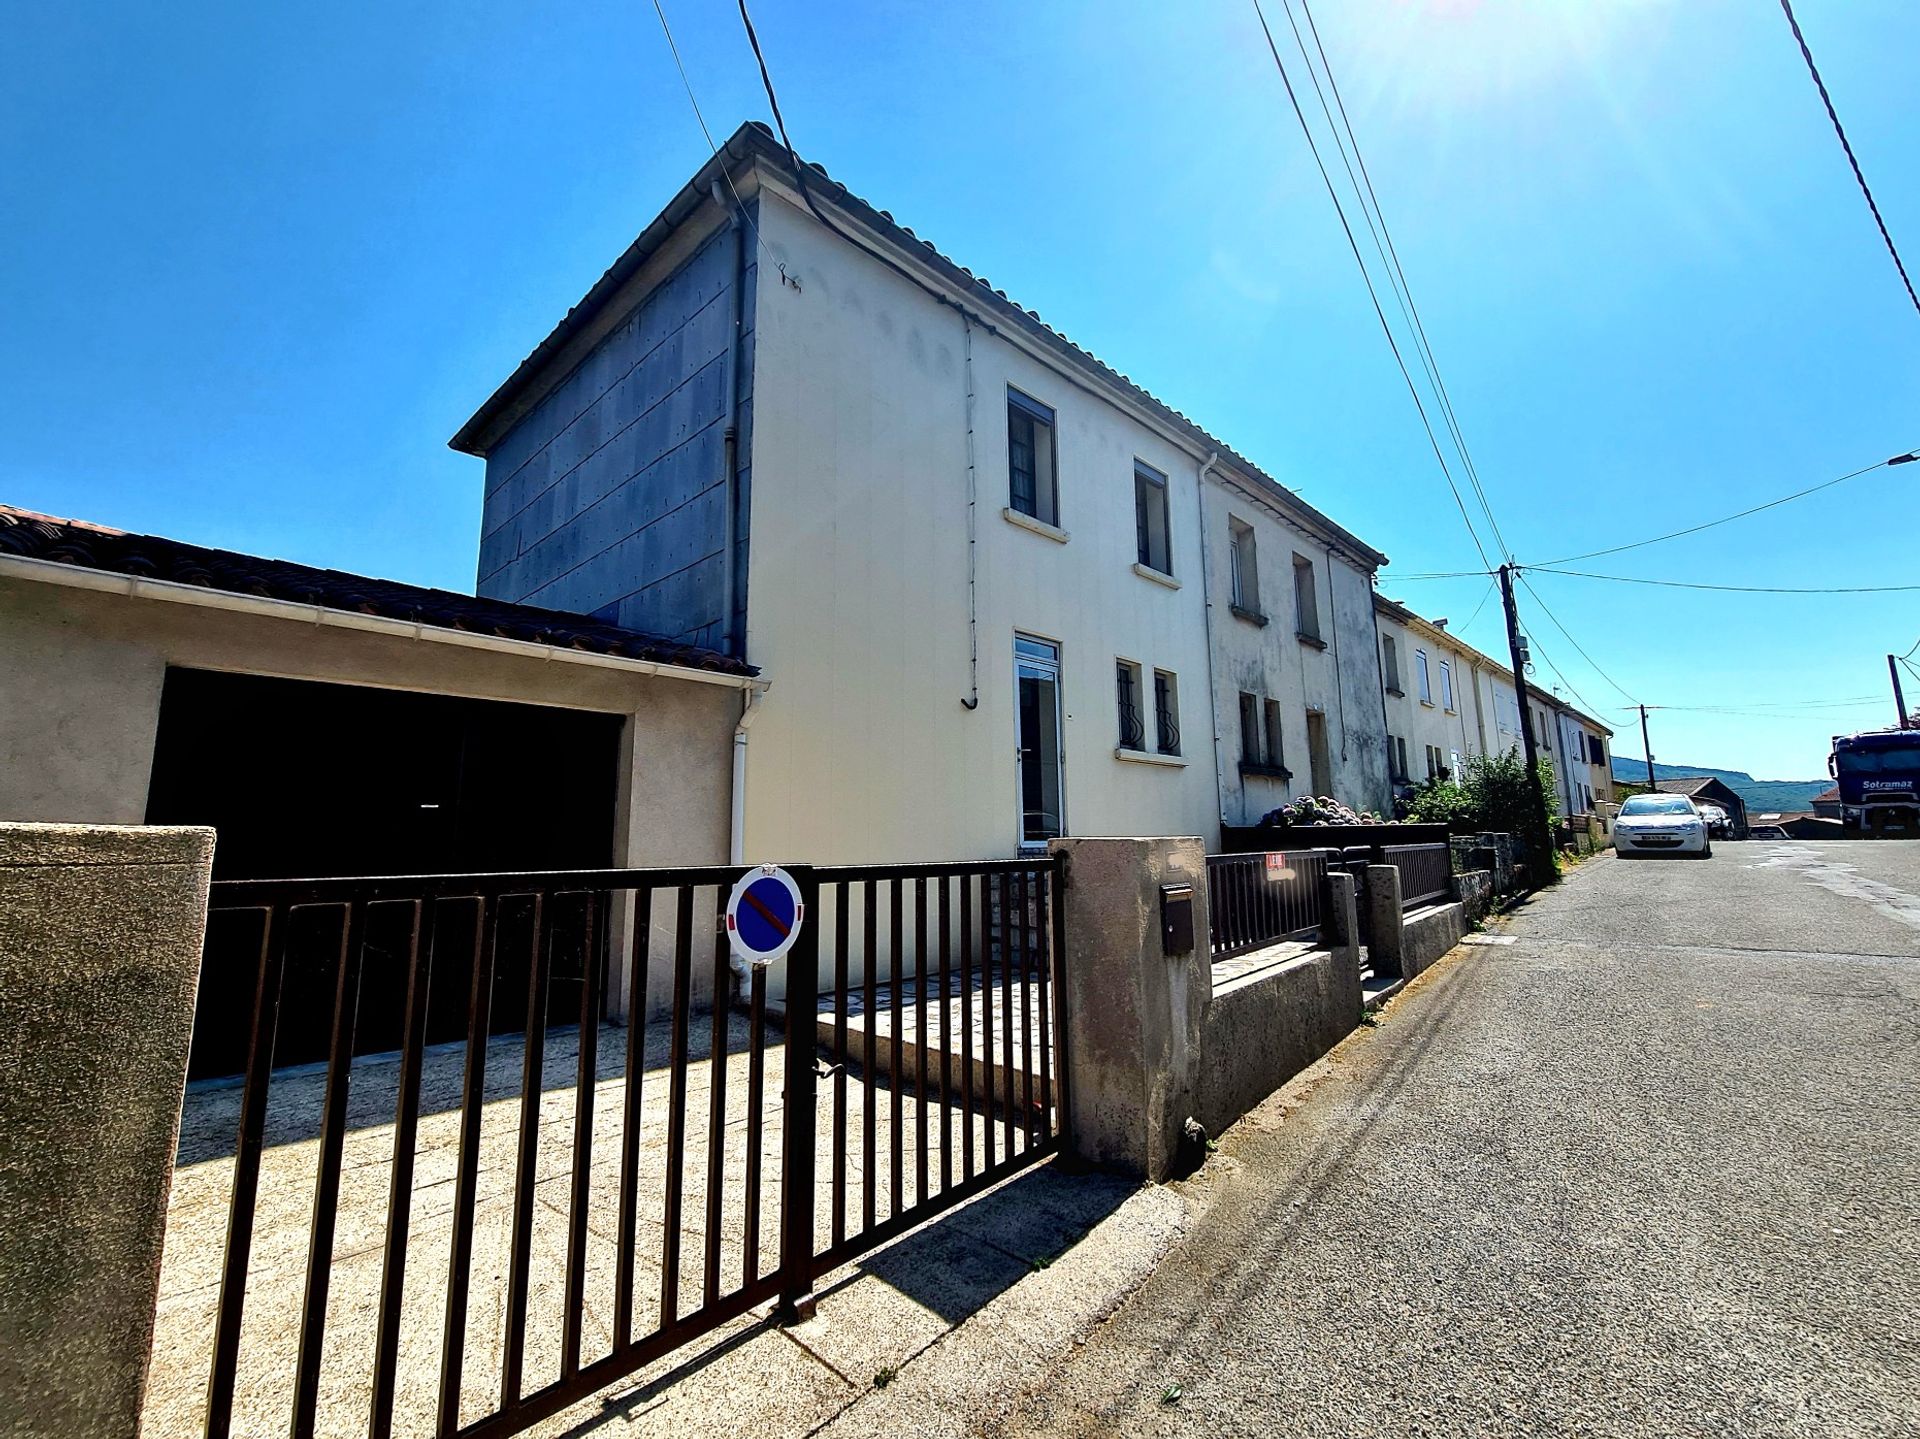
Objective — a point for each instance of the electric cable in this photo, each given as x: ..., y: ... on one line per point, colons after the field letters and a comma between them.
x: 1366, y: 279
x: 1806, y: 53
x: 1409, y: 309
x: 1574, y: 642
x: 1734, y: 589
x: 687, y: 84
x: 1740, y: 515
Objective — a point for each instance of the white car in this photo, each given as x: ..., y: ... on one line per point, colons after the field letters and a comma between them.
x: 1661, y: 824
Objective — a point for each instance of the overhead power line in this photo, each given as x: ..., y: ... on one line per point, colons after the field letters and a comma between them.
x: 1574, y: 642
x: 1905, y: 459
x: 1389, y: 253
x: 1734, y: 589
x: 1367, y: 279
x: 687, y: 85
x: 1806, y: 53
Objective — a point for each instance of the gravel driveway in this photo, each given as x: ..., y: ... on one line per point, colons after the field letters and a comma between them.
x: 1651, y: 1169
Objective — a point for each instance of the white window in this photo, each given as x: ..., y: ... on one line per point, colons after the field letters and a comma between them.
x: 1421, y: 676
x: 1242, y: 561
x: 1031, y: 454
x: 1306, y: 600
x: 1150, y: 518
x: 1036, y: 668
x: 1446, y: 685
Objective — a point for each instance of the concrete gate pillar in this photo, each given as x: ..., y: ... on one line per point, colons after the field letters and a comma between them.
x: 1133, y: 1011
x: 100, y: 934
x: 1384, y: 919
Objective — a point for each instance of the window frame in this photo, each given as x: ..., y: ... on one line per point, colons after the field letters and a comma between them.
x: 1243, y: 570
x: 1250, y: 729
x: 1127, y: 686
x: 1446, y: 686
x: 1423, y: 675
x: 1306, y: 600
x: 1045, y: 476
x: 1166, y: 713
x: 1151, y: 490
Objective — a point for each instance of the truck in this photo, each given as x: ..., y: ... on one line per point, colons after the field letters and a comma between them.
x: 1878, y: 772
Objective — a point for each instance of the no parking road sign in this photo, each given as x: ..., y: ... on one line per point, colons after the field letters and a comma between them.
x: 764, y: 915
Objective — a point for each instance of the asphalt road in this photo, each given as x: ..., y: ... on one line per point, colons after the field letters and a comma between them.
x: 1653, y: 1169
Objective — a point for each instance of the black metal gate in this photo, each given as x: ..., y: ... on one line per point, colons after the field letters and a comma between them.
x: 926, y: 1064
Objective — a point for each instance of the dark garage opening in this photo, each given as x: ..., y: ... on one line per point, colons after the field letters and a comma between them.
x: 305, y: 779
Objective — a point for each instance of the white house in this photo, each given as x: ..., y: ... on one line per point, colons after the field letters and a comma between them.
x: 970, y: 559
x: 1446, y: 700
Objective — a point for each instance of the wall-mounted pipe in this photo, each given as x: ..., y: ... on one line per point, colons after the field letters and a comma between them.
x: 1206, y: 610
x: 737, y: 818
x: 972, y: 701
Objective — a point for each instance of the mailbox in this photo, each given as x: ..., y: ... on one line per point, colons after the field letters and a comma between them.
x: 1176, y: 919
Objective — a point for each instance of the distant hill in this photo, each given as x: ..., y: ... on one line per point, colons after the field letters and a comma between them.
x: 1762, y: 795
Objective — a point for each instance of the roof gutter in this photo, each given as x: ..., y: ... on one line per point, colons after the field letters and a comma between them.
x: 56, y: 572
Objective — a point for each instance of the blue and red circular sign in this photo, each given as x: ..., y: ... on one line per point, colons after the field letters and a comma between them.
x: 764, y: 914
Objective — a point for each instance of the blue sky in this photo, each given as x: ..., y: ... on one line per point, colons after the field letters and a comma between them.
x: 261, y: 262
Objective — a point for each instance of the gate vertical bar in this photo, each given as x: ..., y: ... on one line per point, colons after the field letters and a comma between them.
x: 966, y: 1026
x: 527, y: 1160
x: 987, y: 885
x: 1027, y: 1062
x: 896, y: 935
x: 1057, y: 962
x: 676, y: 1108
x: 592, y: 978
x: 1009, y: 1077
x: 946, y: 1037
x: 840, y: 942
x: 246, y: 1170
x: 797, y: 1133
x: 717, y: 1046
x: 920, y: 1040
x: 453, y: 1338
x: 406, y: 1123
x: 756, y: 1106
x: 639, y: 954
x: 326, y: 1188
x: 1043, y: 976
x: 869, y: 1161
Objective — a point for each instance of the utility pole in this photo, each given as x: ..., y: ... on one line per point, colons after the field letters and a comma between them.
x: 1647, y: 745
x: 1539, y: 837
x: 1899, y: 699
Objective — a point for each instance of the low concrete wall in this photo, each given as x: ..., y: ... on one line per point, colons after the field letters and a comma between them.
x: 1474, y: 889
x: 1426, y: 934
x: 1266, y: 1025
x: 100, y: 934
x: 1404, y: 943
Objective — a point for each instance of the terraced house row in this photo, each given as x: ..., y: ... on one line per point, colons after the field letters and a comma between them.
x: 844, y: 556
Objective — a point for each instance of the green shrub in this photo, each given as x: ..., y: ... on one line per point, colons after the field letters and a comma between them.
x: 1491, y: 793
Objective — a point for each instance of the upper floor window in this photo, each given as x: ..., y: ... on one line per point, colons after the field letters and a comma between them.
x: 1032, y: 484
x: 1150, y: 518
x: 1242, y: 566
x: 1446, y: 685
x: 1390, y: 664
x: 1421, y: 676
x: 1306, y: 599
